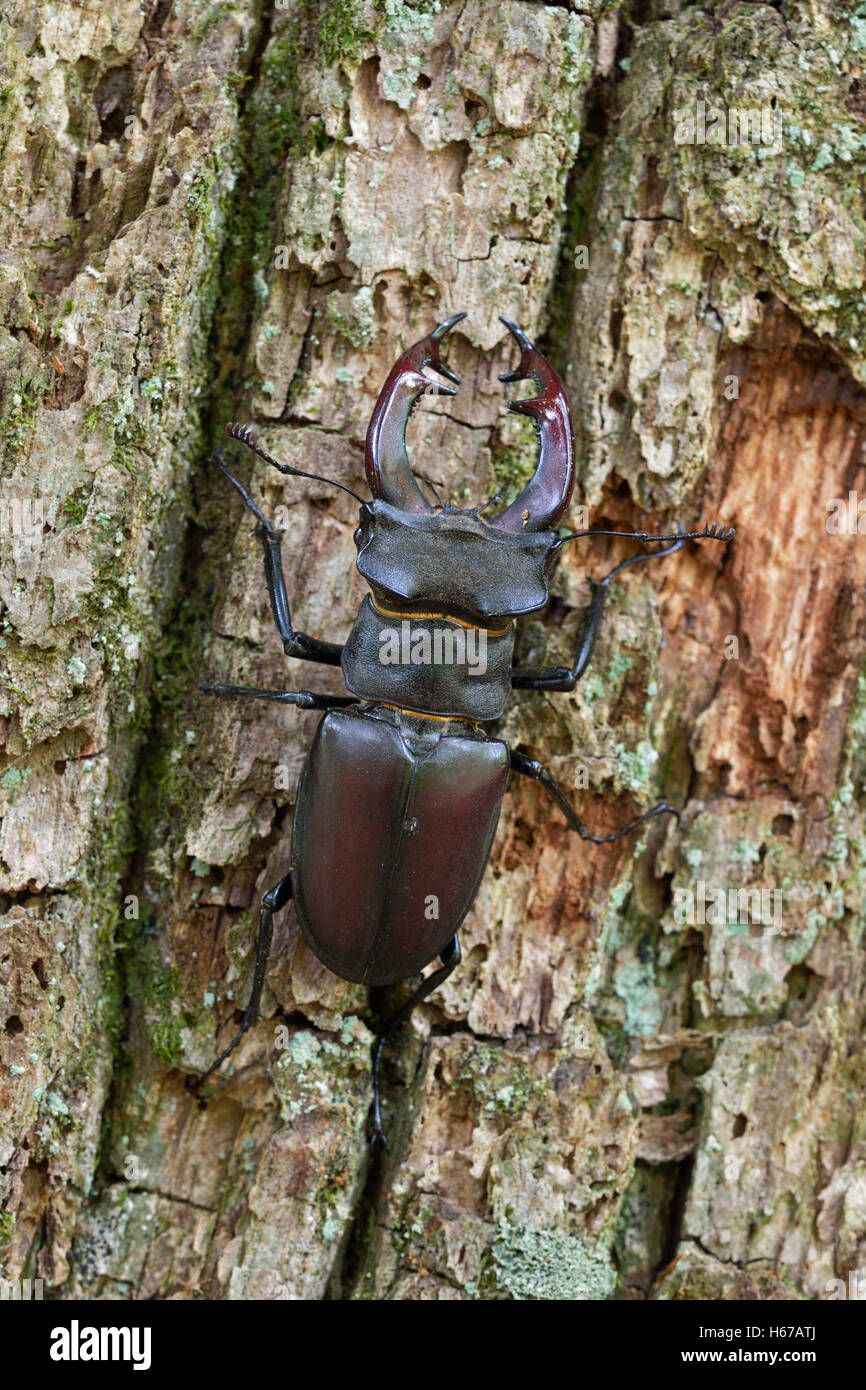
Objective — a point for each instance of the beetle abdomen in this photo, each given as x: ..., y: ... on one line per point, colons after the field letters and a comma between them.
x: 391, y: 837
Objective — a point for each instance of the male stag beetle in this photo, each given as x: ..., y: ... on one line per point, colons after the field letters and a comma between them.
x: 400, y: 793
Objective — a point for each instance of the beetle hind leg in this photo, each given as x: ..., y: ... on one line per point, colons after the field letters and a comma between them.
x: 274, y: 899
x: 530, y: 767
x: 450, y: 957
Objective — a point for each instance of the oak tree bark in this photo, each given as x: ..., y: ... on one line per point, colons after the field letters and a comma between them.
x: 215, y: 210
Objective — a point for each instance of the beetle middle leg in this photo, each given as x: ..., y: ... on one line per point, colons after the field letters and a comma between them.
x: 530, y: 767
x: 296, y: 644
x: 304, y: 699
x: 564, y: 678
x: 450, y: 957
x: 274, y: 899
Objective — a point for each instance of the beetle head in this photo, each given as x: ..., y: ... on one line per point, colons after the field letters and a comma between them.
x: 453, y: 560
x: 414, y: 551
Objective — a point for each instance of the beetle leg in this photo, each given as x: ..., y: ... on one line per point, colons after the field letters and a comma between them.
x: 450, y: 957
x: 272, y: 901
x: 304, y: 699
x: 563, y: 678
x: 530, y: 767
x: 296, y: 644
x: 711, y: 531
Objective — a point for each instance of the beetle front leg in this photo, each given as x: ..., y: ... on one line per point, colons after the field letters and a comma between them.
x: 530, y: 767
x: 296, y: 644
x: 450, y: 957
x: 564, y: 678
x: 272, y: 901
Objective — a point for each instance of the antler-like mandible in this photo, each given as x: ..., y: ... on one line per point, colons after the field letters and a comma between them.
x: 546, y: 496
x: 388, y: 472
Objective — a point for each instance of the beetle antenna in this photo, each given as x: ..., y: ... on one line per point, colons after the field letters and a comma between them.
x: 430, y: 483
x: 244, y: 435
x: 713, y: 531
x: 492, y: 501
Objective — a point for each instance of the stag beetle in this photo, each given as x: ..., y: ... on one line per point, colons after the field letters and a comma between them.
x: 399, y: 796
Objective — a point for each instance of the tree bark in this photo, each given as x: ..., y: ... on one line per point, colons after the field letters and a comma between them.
x: 216, y: 211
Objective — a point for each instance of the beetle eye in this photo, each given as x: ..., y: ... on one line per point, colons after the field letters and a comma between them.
x: 364, y: 527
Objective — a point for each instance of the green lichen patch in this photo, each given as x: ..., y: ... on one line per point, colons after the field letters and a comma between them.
x: 315, y: 1072
x: 501, y: 1084
x: 548, y: 1264
x: 759, y: 904
x: 789, y: 204
x: 352, y: 316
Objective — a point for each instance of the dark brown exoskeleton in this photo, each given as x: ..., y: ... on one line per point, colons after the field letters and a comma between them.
x: 400, y: 793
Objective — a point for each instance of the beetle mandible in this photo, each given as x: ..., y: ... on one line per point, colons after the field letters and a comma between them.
x: 400, y: 793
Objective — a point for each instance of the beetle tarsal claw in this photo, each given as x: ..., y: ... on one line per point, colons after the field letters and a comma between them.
x: 191, y: 1085
x: 716, y: 531
x: 242, y: 432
